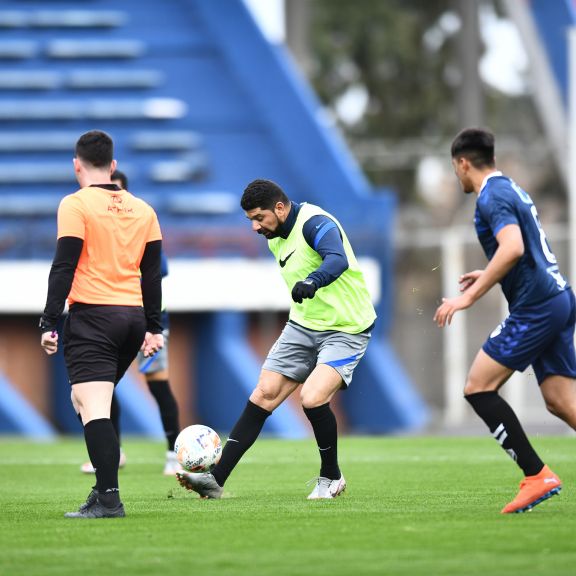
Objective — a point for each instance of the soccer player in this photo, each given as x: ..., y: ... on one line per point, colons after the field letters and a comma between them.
x: 155, y: 370
x: 327, y: 333
x: 539, y: 329
x: 107, y: 264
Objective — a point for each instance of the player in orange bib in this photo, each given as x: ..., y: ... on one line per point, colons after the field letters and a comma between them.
x: 107, y: 264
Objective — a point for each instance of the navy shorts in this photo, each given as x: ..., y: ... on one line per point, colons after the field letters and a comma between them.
x: 542, y: 335
x: 100, y: 342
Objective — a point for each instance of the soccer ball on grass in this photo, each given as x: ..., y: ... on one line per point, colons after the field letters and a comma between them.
x: 198, y: 448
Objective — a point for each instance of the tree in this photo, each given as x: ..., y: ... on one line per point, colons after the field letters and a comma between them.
x: 395, y: 65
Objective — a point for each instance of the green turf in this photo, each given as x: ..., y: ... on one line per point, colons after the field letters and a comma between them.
x: 413, y: 506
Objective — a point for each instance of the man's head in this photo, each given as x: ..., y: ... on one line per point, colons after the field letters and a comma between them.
x: 94, y: 158
x: 120, y: 179
x: 472, y: 152
x: 95, y: 148
x: 266, y: 205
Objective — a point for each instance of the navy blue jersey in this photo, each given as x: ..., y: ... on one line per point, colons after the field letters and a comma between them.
x: 535, y: 277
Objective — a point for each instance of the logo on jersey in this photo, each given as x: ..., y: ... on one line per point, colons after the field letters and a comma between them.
x: 283, y: 262
x: 117, y: 206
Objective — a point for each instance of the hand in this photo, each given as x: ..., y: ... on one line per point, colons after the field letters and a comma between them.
x: 466, y: 280
x: 449, y: 307
x: 303, y: 289
x: 49, y: 341
x: 152, y: 343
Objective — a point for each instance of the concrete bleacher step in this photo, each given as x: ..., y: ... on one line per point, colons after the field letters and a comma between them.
x: 29, y: 80
x: 63, y: 141
x: 134, y: 79
x: 82, y: 49
x: 107, y: 79
x: 213, y: 203
x: 190, y: 168
x: 92, y: 109
x: 14, y: 205
x: 18, y: 49
x: 49, y: 141
x: 35, y: 172
x: 166, y: 140
x: 61, y: 18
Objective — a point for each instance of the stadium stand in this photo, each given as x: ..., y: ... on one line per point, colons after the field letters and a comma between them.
x: 199, y: 104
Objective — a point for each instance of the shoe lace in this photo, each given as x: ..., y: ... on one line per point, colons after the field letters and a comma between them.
x: 319, y: 480
x: 90, y: 499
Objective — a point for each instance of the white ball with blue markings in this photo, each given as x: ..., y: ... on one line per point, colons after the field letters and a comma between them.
x: 198, y: 448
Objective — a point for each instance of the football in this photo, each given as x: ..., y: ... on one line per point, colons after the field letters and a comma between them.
x: 198, y: 448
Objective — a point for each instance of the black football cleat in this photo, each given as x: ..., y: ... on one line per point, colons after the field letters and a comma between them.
x: 97, y: 510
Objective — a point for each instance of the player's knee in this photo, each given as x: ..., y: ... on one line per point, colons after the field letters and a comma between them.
x: 475, y: 385
x: 263, y: 396
x: 471, y: 387
x: 561, y: 409
x: 311, y: 398
x: 552, y: 407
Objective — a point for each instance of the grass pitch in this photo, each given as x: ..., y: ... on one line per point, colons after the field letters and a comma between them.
x: 414, y: 506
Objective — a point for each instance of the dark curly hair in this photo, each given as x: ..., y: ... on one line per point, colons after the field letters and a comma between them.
x: 262, y: 194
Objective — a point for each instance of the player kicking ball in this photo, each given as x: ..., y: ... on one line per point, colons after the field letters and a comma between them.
x: 539, y: 329
x: 327, y: 333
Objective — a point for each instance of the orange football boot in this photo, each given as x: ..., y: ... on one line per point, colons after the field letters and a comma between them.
x: 533, y: 490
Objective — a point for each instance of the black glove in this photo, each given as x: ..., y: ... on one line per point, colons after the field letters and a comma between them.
x: 303, y: 289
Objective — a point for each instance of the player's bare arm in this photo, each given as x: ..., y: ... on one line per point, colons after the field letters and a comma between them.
x: 475, y: 284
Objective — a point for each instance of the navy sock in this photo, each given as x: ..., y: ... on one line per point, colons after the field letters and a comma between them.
x: 243, y: 435
x: 325, y: 429
x: 506, y: 429
x: 161, y: 391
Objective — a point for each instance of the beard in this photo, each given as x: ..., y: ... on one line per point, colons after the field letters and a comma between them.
x: 268, y: 234
x: 271, y: 233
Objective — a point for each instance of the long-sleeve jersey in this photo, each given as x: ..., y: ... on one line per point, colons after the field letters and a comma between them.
x: 323, y: 236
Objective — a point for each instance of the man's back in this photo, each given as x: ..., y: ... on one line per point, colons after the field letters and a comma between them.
x: 115, y: 227
x: 536, y: 276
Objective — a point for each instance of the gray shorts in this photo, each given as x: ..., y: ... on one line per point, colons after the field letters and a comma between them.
x: 156, y: 363
x: 298, y: 351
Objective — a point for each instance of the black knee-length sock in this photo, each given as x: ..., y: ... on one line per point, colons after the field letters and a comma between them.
x: 104, y: 452
x: 161, y: 391
x: 243, y: 435
x: 115, y: 416
x: 325, y: 429
x: 506, y: 429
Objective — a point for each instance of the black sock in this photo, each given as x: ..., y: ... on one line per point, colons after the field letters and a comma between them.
x: 160, y: 389
x: 243, y: 435
x: 115, y: 416
x: 326, y: 433
x: 104, y: 452
x: 506, y: 429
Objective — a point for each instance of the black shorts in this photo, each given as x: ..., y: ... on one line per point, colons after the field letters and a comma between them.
x: 100, y: 342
